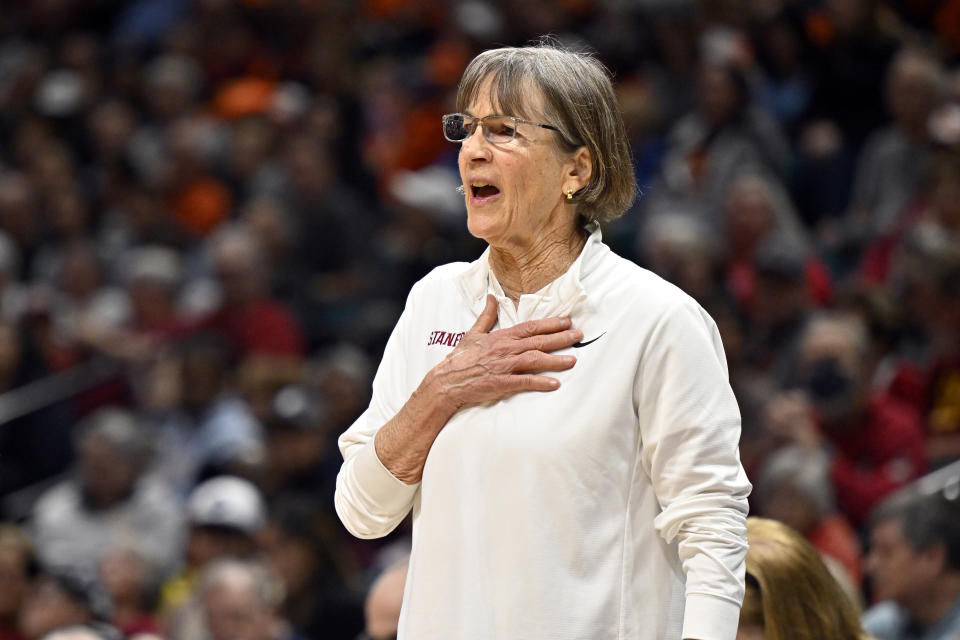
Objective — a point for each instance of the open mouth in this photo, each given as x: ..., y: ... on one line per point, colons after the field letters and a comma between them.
x: 482, y: 191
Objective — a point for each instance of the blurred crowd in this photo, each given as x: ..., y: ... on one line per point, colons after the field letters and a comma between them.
x: 211, y: 212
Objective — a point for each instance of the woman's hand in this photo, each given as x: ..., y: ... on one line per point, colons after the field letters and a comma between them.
x: 485, y: 367
x: 488, y: 366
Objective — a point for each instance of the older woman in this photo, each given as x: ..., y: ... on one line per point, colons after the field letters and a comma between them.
x: 557, y: 419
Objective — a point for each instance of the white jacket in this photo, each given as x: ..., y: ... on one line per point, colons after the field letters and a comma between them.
x: 613, y: 507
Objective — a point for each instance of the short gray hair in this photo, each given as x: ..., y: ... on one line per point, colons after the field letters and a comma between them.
x: 579, y: 101
x: 256, y: 577
x: 807, y: 471
x: 851, y: 325
x: 121, y: 430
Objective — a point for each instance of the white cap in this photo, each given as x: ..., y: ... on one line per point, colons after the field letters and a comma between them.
x: 227, y: 501
x: 154, y: 264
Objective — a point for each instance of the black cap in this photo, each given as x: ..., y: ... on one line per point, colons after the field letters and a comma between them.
x: 781, y: 257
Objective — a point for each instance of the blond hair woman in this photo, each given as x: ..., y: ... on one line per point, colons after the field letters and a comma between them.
x: 791, y: 594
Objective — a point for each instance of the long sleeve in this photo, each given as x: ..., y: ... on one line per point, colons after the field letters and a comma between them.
x: 369, y: 500
x: 690, y: 430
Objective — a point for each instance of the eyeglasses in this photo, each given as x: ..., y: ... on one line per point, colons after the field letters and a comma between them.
x: 457, y: 127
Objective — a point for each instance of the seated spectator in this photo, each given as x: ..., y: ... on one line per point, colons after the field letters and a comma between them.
x: 875, y: 441
x: 247, y: 316
x: 132, y: 583
x: 914, y: 563
x: 17, y: 569
x: 63, y: 598
x: 300, y: 544
x: 935, y: 210
x: 297, y: 459
x: 894, y: 159
x: 707, y: 149
x: 343, y: 374
x: 108, y: 501
x: 382, y: 609
x: 794, y: 488
x: 225, y: 515
x: 789, y: 591
x: 208, y: 429
x: 683, y: 250
x: 242, y: 601
x: 152, y: 280
x: 930, y: 380
x: 757, y: 213
x: 781, y: 304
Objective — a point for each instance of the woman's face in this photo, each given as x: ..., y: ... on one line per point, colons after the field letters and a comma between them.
x: 528, y: 176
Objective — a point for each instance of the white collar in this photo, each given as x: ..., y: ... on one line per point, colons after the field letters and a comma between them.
x: 564, y: 296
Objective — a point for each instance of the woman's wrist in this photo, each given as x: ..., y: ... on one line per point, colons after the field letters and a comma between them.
x: 403, y: 443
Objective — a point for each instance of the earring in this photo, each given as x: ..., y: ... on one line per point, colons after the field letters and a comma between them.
x: 569, y: 194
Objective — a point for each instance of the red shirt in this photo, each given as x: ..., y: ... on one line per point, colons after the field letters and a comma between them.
x: 834, y: 537
x: 264, y: 326
x: 881, y: 455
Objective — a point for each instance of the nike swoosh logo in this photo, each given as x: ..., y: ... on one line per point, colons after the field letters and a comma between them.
x: 583, y: 344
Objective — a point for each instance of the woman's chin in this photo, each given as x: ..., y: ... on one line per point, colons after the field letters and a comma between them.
x: 483, y: 226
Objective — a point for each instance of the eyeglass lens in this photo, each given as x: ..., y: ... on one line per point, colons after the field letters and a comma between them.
x: 458, y: 127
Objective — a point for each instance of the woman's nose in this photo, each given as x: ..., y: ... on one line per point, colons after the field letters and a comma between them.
x: 475, y: 146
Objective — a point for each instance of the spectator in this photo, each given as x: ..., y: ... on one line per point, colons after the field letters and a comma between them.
x: 756, y: 209
x: 790, y: 592
x: 382, y: 609
x: 18, y: 202
x: 914, y: 563
x: 17, y: 569
x: 780, y: 307
x: 225, y: 515
x: 876, y: 441
x: 209, y: 429
x: 681, y: 249
x: 296, y: 446
x: 248, y: 317
x: 63, y: 598
x: 895, y: 158
x: 242, y: 601
x: 302, y: 545
x: 709, y: 148
x: 132, y: 582
x: 108, y: 501
x: 794, y: 488
x: 928, y: 377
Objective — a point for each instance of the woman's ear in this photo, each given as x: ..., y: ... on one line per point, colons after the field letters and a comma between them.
x: 581, y: 170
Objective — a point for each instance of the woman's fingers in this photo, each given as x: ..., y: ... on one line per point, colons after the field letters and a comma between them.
x: 532, y: 328
x: 491, y: 365
x: 487, y: 318
x: 550, y: 341
x: 539, y: 361
x: 530, y: 382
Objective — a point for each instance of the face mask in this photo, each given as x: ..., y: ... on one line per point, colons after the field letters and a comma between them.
x: 830, y: 387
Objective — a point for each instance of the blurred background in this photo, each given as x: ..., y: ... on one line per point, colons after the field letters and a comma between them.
x: 211, y: 212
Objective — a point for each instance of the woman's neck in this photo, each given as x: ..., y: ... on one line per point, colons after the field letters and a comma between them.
x: 533, y: 267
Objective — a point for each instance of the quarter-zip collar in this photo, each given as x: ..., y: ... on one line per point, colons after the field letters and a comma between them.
x: 565, y: 296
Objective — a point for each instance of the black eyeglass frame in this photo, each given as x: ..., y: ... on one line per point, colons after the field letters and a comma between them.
x: 486, y: 132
